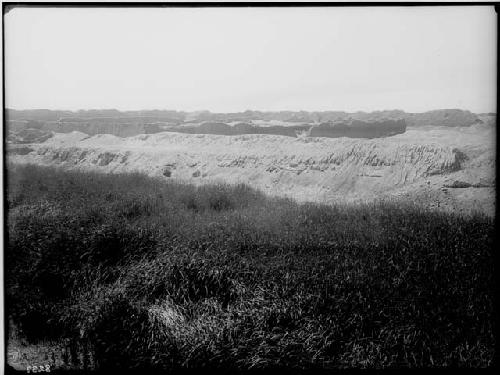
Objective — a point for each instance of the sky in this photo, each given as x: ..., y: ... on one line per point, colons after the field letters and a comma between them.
x: 234, y: 59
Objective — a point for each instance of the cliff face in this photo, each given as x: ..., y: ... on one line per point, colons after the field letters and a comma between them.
x: 276, y: 164
x: 351, y: 129
x: 452, y: 166
x: 29, y: 136
x: 90, y: 128
x: 219, y: 128
x: 443, y: 117
x: 359, y: 129
x: 324, y: 124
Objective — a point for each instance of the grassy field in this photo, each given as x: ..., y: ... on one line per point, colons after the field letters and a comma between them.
x: 163, y: 275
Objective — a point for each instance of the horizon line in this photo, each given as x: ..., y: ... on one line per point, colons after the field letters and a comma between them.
x: 243, y: 111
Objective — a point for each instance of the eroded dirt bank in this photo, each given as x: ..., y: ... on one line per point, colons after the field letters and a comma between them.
x: 441, y: 164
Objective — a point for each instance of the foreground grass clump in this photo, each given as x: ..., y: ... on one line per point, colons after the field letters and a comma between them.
x: 166, y: 276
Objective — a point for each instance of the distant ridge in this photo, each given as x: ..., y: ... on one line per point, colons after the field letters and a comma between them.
x: 330, y: 124
x: 462, y: 117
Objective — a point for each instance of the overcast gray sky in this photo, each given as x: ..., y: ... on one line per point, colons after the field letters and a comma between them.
x: 233, y: 59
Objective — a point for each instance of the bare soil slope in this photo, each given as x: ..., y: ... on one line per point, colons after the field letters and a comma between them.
x: 440, y: 166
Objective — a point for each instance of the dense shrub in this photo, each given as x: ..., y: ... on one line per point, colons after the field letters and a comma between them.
x: 169, y: 276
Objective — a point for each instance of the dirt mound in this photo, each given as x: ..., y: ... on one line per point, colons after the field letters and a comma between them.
x: 112, y: 127
x: 351, y: 129
x: 462, y: 184
x: 329, y: 124
x: 489, y: 119
x: 416, y: 164
x: 310, y: 168
x: 19, y: 150
x: 29, y: 135
x: 443, y: 117
x: 359, y: 129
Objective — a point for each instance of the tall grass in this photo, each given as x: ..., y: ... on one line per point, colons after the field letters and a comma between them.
x: 163, y: 275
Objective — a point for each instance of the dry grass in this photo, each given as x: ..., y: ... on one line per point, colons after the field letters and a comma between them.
x: 162, y: 275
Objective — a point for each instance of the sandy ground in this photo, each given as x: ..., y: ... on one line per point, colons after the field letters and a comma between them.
x: 442, y: 168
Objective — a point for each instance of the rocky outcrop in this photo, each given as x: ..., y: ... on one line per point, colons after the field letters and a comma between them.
x: 90, y: 128
x: 488, y: 119
x: 443, y: 117
x: 331, y: 124
x: 29, y: 135
x: 306, y: 168
x: 457, y: 184
x: 450, y: 167
x: 219, y: 128
x: 359, y: 129
x: 351, y: 129
x: 92, y: 115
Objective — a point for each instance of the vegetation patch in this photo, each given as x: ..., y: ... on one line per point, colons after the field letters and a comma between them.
x: 157, y: 274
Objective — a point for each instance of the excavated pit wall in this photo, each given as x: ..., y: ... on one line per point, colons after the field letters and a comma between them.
x: 353, y: 129
x: 306, y: 169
